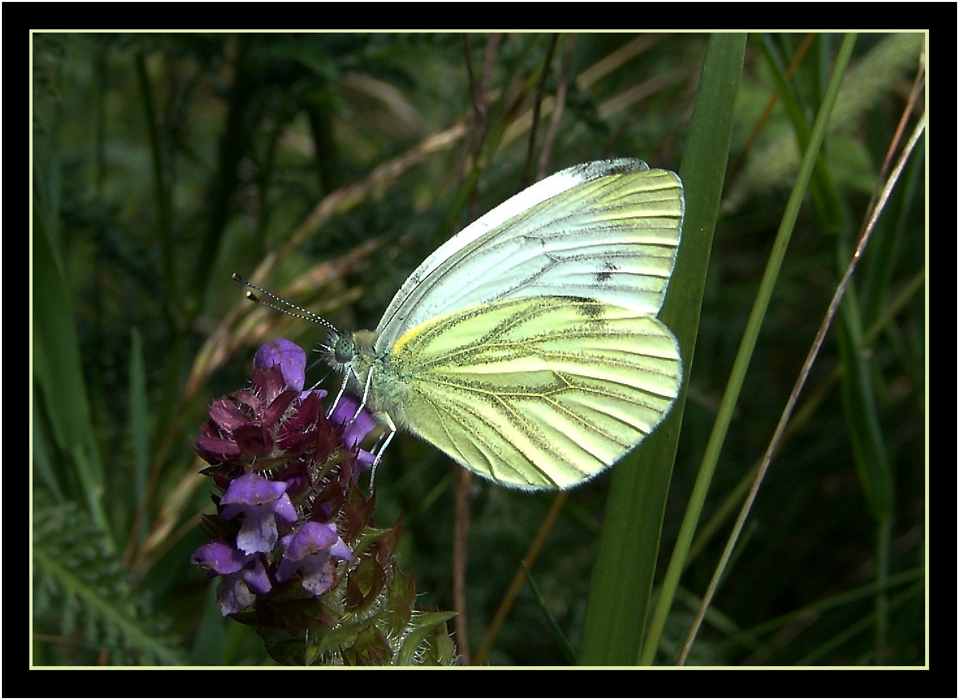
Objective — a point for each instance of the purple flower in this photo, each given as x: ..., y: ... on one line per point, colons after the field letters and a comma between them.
x: 284, y: 470
x: 309, y: 552
x: 262, y: 503
x: 276, y: 425
x: 288, y: 357
x: 244, y: 575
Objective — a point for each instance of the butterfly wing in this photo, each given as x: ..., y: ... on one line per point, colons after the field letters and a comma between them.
x: 607, y: 230
x: 534, y: 392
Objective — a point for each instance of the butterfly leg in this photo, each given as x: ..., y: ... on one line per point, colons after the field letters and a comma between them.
x: 339, y: 395
x: 366, y: 393
x: 378, y: 453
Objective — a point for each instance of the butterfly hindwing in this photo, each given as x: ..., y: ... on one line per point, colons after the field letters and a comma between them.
x: 535, y: 392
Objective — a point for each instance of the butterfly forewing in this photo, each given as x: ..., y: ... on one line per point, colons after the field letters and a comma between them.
x: 609, y: 231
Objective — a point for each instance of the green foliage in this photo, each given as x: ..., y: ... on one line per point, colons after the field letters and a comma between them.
x: 81, y: 592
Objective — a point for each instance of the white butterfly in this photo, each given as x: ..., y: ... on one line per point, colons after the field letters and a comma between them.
x: 527, y: 346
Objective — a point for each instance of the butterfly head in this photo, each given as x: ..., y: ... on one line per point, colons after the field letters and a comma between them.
x: 349, y: 354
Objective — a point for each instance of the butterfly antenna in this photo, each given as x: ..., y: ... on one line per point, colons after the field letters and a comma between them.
x: 282, y: 305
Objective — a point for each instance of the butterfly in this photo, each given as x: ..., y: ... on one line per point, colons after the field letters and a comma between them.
x: 527, y: 346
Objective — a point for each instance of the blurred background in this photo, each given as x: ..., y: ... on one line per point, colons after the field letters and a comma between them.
x: 326, y: 167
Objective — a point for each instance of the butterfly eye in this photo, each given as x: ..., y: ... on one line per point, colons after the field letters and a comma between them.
x: 343, y: 351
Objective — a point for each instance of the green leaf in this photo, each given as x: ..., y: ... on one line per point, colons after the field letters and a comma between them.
x: 626, y: 562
